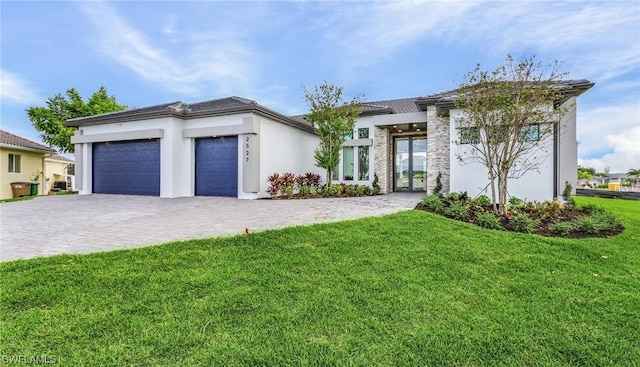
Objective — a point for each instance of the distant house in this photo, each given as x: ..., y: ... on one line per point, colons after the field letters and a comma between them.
x: 614, y: 181
x: 230, y: 146
x: 59, y: 173
x: 21, y: 160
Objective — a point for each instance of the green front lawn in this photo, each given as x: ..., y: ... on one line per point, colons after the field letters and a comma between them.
x: 411, y: 288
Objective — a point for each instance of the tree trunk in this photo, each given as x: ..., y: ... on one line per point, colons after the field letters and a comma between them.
x: 329, y: 174
x: 494, y: 202
x: 502, y: 192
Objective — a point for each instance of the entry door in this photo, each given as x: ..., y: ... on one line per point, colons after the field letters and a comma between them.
x: 410, y: 161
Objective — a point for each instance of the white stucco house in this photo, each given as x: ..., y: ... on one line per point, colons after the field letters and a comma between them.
x: 229, y: 147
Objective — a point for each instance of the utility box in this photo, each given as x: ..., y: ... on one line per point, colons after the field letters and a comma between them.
x: 21, y: 189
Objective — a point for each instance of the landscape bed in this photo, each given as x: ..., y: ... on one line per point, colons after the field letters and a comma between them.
x: 412, y: 288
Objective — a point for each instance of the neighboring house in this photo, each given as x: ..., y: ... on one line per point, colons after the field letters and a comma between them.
x: 617, y: 179
x: 59, y: 173
x: 21, y: 160
x: 229, y: 147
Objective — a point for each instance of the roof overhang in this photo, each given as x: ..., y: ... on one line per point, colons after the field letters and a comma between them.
x: 17, y: 147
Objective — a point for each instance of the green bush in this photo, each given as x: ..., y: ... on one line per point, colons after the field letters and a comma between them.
x: 452, y: 197
x: 516, y: 202
x: 562, y: 228
x: 596, y: 222
x: 488, y: 220
x: 434, y: 203
x: 437, y: 190
x: 375, y: 185
x: 566, y: 193
x: 456, y: 210
x: 482, y: 200
x: 522, y: 223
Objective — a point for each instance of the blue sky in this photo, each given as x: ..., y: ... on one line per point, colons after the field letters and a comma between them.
x: 147, y: 53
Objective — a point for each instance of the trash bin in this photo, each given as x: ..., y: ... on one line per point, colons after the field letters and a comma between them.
x: 34, y: 188
x: 21, y: 189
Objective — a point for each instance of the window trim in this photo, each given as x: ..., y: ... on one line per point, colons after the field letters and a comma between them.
x: 15, y: 164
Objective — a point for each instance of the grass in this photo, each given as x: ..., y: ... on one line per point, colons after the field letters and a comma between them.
x: 411, y: 288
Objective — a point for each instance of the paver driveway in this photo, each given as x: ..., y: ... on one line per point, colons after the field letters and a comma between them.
x: 82, y: 224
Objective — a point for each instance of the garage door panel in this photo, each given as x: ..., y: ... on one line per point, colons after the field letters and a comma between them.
x: 216, y: 166
x: 127, y: 167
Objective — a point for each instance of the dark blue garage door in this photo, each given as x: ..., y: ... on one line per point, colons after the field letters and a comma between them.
x: 127, y: 167
x: 217, y: 166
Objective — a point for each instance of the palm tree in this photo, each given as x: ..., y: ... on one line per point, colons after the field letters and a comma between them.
x: 633, y: 176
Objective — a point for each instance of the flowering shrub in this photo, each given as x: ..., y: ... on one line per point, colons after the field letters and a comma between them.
x: 308, y: 185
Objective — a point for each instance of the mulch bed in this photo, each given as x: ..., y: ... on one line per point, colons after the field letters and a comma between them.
x: 565, y: 215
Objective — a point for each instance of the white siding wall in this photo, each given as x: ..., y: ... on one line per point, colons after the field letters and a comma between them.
x: 568, y: 152
x: 282, y: 148
x: 473, y: 177
x: 285, y: 149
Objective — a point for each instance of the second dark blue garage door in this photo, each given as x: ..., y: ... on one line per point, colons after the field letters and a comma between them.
x: 217, y: 166
x: 127, y: 167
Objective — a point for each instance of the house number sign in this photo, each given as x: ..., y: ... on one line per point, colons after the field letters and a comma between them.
x: 247, y: 148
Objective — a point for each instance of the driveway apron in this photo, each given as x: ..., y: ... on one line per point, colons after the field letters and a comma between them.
x: 73, y: 224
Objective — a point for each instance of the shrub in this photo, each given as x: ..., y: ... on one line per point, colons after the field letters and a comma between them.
x: 288, y: 183
x: 561, y: 228
x: 488, y: 220
x: 522, y: 223
x: 437, y: 190
x: 456, y: 210
x: 483, y: 200
x: 351, y: 190
x: 305, y: 191
x: 566, y: 193
x: 434, y: 203
x: 275, y: 185
x: 375, y: 185
x: 516, y: 202
x: 452, y: 197
x: 597, y: 222
x: 591, y: 209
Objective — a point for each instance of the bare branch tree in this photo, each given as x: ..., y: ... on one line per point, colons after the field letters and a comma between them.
x: 509, y: 114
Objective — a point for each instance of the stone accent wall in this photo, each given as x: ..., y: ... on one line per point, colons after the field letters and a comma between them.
x: 438, y: 150
x: 381, y: 156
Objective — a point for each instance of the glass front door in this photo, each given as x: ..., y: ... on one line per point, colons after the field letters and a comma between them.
x: 410, y: 161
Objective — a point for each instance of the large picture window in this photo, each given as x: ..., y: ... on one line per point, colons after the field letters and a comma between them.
x: 14, y: 163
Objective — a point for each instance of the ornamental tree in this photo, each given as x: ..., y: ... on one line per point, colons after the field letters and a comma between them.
x: 49, y: 120
x: 333, y: 119
x: 509, y: 113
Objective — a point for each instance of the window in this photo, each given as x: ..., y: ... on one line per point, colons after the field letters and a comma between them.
x: 363, y: 133
x: 363, y: 162
x: 14, y: 163
x: 349, y: 135
x: 347, y: 160
x: 530, y: 133
x: 469, y: 135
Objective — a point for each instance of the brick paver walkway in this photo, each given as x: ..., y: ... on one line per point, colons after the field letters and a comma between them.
x: 69, y: 224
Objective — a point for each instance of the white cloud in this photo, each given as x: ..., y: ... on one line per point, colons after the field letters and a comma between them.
x: 15, y: 89
x: 597, y: 123
x: 598, y: 40
x: 198, y: 63
x: 625, y: 155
